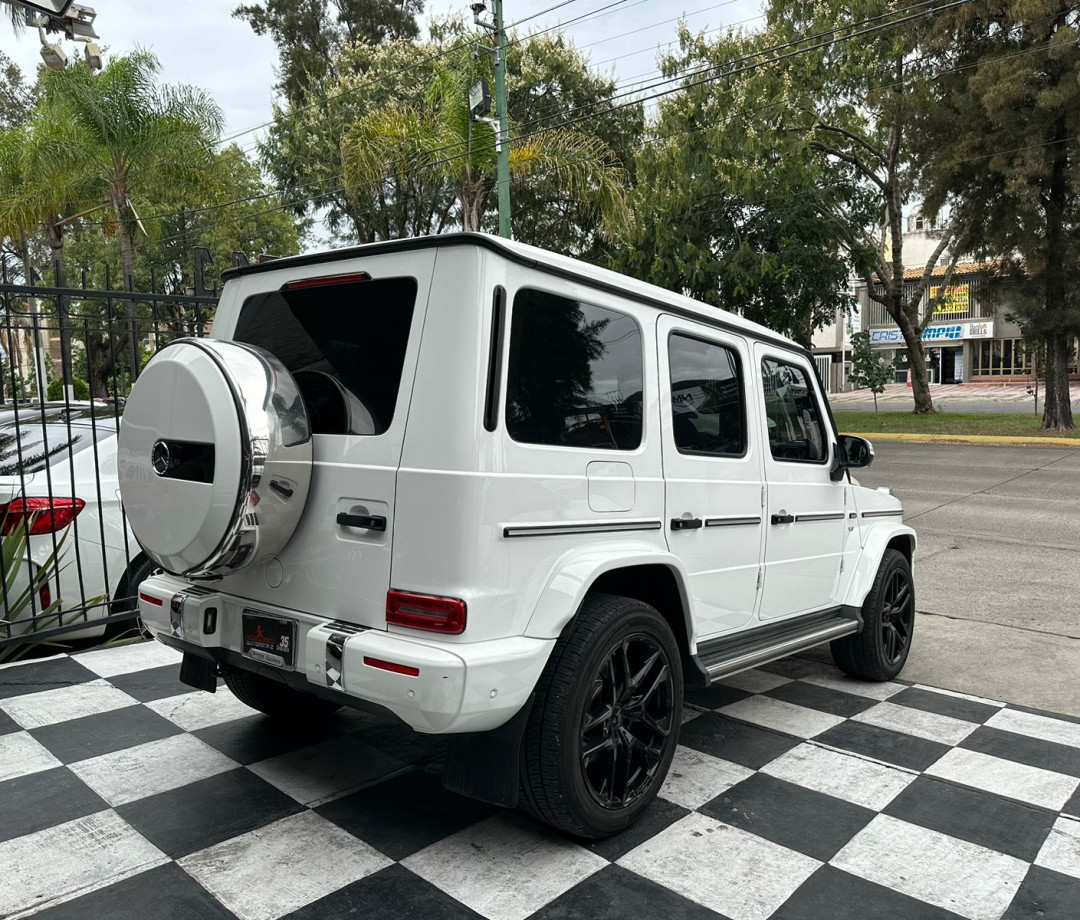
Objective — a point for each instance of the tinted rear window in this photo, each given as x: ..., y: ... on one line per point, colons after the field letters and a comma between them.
x: 344, y: 343
x: 30, y: 446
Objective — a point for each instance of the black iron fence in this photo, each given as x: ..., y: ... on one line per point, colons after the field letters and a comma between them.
x: 68, y: 357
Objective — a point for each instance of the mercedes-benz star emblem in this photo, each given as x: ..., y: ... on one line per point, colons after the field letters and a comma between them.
x: 161, y: 457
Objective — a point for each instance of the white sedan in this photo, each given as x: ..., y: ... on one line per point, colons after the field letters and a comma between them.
x: 58, y: 477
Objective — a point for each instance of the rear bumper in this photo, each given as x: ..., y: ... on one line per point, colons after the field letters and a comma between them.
x: 460, y: 687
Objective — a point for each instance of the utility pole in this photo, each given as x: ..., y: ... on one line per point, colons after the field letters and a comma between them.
x: 502, y: 131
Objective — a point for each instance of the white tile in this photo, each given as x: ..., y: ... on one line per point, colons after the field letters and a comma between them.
x: 872, y: 690
x: 310, y: 856
x: 755, y: 681
x: 20, y: 663
x: 1034, y: 726
x: 21, y: 755
x: 963, y: 877
x: 689, y: 714
x: 124, y: 659
x: 695, y: 778
x: 47, y: 707
x: 782, y: 716
x: 844, y: 776
x: 504, y: 867
x: 192, y: 711
x: 928, y: 725
x: 738, y: 874
x: 150, y: 768
x: 68, y: 860
x: 1061, y: 850
x: 321, y: 772
x: 1005, y: 777
x: 960, y: 696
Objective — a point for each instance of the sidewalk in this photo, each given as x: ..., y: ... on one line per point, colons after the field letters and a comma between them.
x: 967, y: 397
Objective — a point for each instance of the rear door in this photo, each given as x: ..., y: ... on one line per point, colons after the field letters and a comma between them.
x: 712, y: 471
x: 349, y: 332
x: 806, y: 511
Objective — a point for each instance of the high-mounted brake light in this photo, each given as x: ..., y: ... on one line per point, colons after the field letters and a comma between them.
x: 325, y: 281
x: 45, y: 515
x: 425, y: 611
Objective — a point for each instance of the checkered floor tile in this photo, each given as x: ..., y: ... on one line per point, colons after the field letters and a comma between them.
x: 795, y: 794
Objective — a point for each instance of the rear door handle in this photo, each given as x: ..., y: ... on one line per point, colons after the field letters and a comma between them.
x: 783, y: 518
x: 685, y: 523
x: 364, y: 522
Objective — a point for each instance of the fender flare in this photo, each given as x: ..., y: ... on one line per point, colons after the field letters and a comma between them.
x: 880, y: 534
x: 575, y: 571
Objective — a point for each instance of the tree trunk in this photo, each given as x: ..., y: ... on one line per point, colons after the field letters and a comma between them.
x: 1057, y: 410
x: 920, y: 382
x: 55, y: 234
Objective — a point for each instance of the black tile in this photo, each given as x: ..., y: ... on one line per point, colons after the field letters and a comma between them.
x: 830, y: 894
x: 813, y: 823
x: 716, y: 696
x: 8, y: 724
x: 164, y: 893
x: 795, y: 668
x: 882, y: 744
x: 152, y: 683
x: 254, y: 738
x: 103, y: 733
x: 206, y: 812
x: 737, y: 742
x: 1072, y: 807
x: 405, y: 814
x: 658, y: 816
x: 390, y: 894
x: 613, y: 893
x: 40, y: 800
x: 36, y: 676
x: 1045, y: 895
x: 944, y: 705
x: 1061, y: 717
x: 400, y: 741
x: 821, y: 698
x: 978, y: 817
x: 1020, y: 748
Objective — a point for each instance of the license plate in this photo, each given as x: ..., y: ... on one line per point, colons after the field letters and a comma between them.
x: 270, y: 639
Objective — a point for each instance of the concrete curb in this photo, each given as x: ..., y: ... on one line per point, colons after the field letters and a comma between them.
x: 984, y: 440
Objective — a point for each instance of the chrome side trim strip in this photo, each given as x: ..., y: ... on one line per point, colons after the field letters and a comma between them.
x: 837, y: 516
x: 549, y: 530
x: 762, y: 656
x: 732, y: 521
x: 874, y: 514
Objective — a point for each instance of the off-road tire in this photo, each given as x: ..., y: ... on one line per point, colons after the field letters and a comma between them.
x: 863, y: 654
x: 127, y: 591
x: 274, y: 698
x: 553, y: 785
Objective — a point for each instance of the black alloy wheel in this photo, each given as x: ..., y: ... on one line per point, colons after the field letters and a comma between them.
x: 897, y: 616
x: 627, y: 721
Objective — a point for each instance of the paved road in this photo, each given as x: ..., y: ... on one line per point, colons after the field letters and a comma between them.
x: 998, y: 567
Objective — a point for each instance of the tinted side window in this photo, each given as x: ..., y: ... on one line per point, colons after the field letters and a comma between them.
x: 344, y: 343
x: 707, y: 409
x: 574, y: 374
x: 796, y: 431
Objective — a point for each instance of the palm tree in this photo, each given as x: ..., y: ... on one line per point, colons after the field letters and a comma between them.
x: 441, y: 138
x: 126, y: 138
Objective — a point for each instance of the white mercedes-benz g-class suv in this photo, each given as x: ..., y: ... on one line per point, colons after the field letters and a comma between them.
x: 509, y: 497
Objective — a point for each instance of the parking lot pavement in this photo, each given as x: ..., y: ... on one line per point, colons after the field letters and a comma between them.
x: 795, y: 794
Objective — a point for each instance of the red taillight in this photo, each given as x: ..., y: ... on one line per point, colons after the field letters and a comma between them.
x: 46, y: 515
x: 45, y: 596
x: 425, y: 611
x: 391, y: 666
x: 325, y: 281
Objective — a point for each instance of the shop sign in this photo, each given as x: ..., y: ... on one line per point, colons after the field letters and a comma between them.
x: 982, y: 329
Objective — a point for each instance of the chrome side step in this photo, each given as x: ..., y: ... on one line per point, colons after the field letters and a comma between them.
x: 726, y: 656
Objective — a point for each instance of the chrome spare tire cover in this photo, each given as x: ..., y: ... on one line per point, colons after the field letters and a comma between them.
x: 214, y: 457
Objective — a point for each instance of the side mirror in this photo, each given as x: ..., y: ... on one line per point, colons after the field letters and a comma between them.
x: 852, y: 453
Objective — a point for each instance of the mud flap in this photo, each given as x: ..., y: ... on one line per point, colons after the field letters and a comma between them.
x: 200, y: 673
x: 484, y: 765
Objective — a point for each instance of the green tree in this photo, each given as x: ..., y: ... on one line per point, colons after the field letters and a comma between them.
x: 867, y: 368
x: 16, y: 95
x: 310, y: 34
x: 439, y: 138
x: 1000, y: 139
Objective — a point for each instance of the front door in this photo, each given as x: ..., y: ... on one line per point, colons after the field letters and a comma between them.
x: 712, y: 471
x: 805, y: 510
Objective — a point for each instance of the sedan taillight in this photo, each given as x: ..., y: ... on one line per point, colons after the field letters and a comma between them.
x: 43, y: 515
